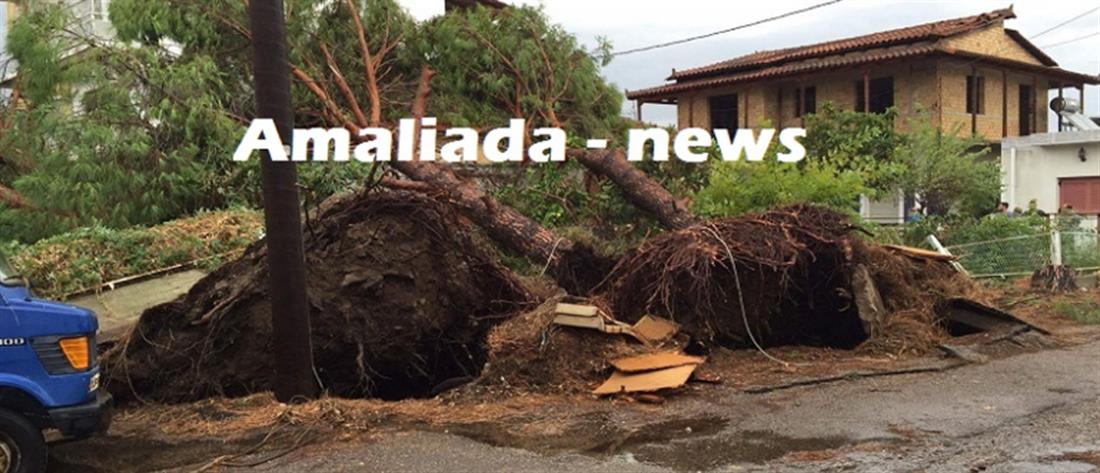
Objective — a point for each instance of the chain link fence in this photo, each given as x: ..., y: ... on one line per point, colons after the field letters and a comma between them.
x: 1022, y: 255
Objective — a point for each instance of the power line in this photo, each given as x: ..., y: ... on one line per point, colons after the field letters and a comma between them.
x: 1064, y: 23
x: 727, y: 30
x: 1074, y: 40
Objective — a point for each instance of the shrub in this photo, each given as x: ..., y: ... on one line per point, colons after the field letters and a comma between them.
x: 737, y: 187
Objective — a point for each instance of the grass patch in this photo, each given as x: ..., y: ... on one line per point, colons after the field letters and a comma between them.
x: 91, y: 256
x: 1082, y: 311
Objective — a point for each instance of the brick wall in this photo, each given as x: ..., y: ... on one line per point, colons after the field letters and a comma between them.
x: 993, y: 41
x: 997, y: 96
x: 936, y: 87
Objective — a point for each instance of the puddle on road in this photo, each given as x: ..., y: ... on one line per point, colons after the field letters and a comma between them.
x: 659, y: 432
x: 690, y: 444
x: 717, y: 451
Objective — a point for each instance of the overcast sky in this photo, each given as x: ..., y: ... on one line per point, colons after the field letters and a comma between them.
x: 635, y: 23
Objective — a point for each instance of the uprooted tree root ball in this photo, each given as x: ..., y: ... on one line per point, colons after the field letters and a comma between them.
x: 791, y: 277
x: 401, y: 295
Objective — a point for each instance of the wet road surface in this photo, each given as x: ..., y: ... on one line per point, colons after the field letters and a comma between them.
x: 1037, y: 412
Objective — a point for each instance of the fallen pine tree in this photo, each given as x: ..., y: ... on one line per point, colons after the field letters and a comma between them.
x: 407, y: 301
x: 401, y: 293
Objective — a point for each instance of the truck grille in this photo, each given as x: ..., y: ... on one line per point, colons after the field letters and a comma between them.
x: 54, y: 360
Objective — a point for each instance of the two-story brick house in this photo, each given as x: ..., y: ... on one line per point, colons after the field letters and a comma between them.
x: 968, y: 72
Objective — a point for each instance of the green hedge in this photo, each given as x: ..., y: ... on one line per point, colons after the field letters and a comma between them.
x: 87, y: 257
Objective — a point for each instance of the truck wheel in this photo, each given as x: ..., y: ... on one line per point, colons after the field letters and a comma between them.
x: 22, y: 448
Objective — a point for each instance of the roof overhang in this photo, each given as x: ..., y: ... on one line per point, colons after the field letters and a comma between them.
x: 1058, y: 77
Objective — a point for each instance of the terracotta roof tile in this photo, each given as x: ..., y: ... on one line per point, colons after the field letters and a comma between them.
x: 854, y: 58
x: 924, y: 32
x: 816, y: 64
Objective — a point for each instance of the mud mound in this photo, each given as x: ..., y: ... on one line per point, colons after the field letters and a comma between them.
x: 401, y: 295
x: 792, y: 273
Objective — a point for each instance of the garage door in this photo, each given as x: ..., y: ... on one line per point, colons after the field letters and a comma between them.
x: 1083, y: 193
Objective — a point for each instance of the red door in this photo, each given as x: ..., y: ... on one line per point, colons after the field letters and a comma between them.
x: 1082, y: 193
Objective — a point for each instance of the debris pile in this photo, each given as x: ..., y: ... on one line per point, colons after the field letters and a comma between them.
x: 407, y: 303
x: 531, y: 352
x: 914, y: 288
x: 649, y: 330
x: 402, y: 297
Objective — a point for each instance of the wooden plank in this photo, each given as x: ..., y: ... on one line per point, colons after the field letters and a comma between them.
x: 866, y: 91
x: 920, y: 253
x: 576, y: 309
x: 979, y: 315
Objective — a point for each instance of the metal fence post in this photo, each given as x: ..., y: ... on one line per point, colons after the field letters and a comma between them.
x: 1055, y: 246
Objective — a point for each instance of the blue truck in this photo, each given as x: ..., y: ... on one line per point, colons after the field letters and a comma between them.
x: 49, y: 378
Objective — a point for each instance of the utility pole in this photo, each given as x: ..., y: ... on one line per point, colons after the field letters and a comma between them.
x: 294, y: 377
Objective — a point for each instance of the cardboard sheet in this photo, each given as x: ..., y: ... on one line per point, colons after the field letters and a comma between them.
x: 648, y: 381
x: 652, y: 329
x: 655, y: 361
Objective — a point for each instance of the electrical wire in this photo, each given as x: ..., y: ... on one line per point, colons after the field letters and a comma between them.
x: 1064, y: 23
x: 1074, y: 40
x: 727, y: 30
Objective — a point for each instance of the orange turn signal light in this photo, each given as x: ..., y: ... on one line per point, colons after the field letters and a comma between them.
x: 76, y: 350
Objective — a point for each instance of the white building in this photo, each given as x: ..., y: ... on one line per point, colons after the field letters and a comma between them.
x: 1054, y: 169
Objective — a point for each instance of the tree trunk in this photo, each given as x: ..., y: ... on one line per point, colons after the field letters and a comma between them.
x: 574, y: 266
x: 293, y: 356
x: 642, y: 191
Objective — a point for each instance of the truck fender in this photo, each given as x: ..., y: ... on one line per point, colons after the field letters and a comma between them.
x: 23, y: 384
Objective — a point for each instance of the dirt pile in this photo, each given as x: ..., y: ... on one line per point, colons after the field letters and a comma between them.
x: 401, y: 295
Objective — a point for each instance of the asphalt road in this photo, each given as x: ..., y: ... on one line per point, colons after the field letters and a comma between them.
x: 1037, y: 412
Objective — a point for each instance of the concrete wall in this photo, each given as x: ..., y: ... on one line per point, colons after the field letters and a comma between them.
x: 1040, y: 160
